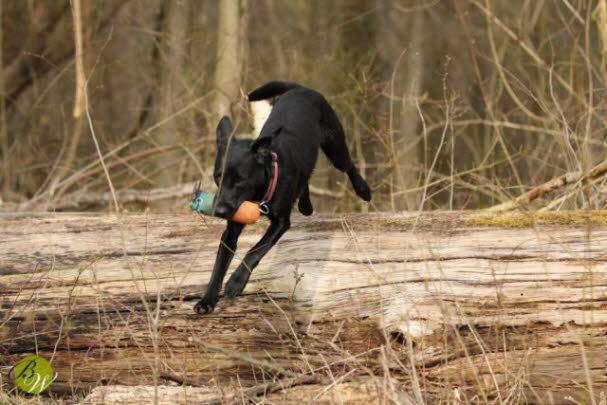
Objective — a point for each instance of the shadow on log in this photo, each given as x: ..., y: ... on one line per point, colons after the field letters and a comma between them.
x: 379, y: 307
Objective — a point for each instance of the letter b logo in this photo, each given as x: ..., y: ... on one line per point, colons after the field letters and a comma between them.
x: 33, y: 374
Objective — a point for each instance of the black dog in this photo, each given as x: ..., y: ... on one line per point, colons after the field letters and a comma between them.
x: 301, y: 121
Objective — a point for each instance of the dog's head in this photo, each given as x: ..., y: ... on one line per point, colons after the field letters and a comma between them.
x: 241, y: 169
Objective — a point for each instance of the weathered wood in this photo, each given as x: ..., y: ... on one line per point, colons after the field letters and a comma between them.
x: 483, y: 311
x: 355, y: 393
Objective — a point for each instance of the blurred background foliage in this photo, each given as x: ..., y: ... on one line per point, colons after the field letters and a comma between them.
x: 447, y: 104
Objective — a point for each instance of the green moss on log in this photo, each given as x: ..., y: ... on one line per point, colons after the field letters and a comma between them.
x: 524, y: 220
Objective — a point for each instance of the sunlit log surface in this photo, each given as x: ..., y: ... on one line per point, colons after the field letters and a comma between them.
x: 473, y: 307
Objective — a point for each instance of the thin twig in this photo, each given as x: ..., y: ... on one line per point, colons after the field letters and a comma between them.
x: 105, y: 170
x: 528, y: 197
x: 243, y: 357
x: 267, y: 388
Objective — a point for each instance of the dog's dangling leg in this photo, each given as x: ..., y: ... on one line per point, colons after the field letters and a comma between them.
x: 360, y: 185
x: 304, y: 204
x: 238, y: 280
x: 335, y: 148
x: 333, y: 144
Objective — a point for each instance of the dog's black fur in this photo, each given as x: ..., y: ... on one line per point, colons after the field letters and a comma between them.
x: 301, y: 121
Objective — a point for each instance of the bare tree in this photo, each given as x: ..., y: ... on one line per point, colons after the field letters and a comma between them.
x: 171, y: 87
x: 230, y: 57
x: 4, y: 142
x: 406, y: 150
x: 402, y: 59
x: 79, y: 89
x: 602, y: 27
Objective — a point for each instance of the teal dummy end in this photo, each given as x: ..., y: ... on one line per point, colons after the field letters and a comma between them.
x: 202, y: 202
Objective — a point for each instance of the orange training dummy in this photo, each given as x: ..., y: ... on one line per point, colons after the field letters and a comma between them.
x: 248, y: 213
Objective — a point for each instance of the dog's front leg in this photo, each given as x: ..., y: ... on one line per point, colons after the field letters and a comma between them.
x: 226, y: 250
x: 239, y: 278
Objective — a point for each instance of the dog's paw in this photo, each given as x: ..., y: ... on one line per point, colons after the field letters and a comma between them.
x: 206, y: 305
x: 360, y: 186
x: 364, y: 192
x: 236, y: 283
x: 305, y: 207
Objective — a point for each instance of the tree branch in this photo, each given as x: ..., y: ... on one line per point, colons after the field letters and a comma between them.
x: 561, y: 181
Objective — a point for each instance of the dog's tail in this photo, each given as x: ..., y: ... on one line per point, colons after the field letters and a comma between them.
x: 271, y: 89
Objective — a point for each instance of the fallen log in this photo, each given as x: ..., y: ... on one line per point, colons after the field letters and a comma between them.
x: 441, y: 306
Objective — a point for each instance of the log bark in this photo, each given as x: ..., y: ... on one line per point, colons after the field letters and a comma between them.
x: 440, y: 306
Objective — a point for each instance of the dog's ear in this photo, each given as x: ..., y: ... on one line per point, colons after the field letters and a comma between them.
x: 261, y: 148
x: 224, y: 130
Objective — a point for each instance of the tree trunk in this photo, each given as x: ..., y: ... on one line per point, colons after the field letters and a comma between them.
x: 230, y: 53
x: 601, y: 22
x: 406, y: 152
x: 442, y: 306
x: 7, y: 180
x: 173, y: 61
x: 316, y: 22
x: 80, y: 18
x: 403, y: 74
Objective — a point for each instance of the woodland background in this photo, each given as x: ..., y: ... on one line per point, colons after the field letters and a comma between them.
x: 447, y: 104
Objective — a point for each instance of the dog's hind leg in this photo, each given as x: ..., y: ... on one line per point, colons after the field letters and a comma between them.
x: 333, y: 144
x: 360, y: 185
x: 226, y: 250
x: 304, y: 204
x: 238, y: 280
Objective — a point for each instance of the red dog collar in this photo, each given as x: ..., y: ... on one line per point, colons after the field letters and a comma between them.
x: 271, y: 187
